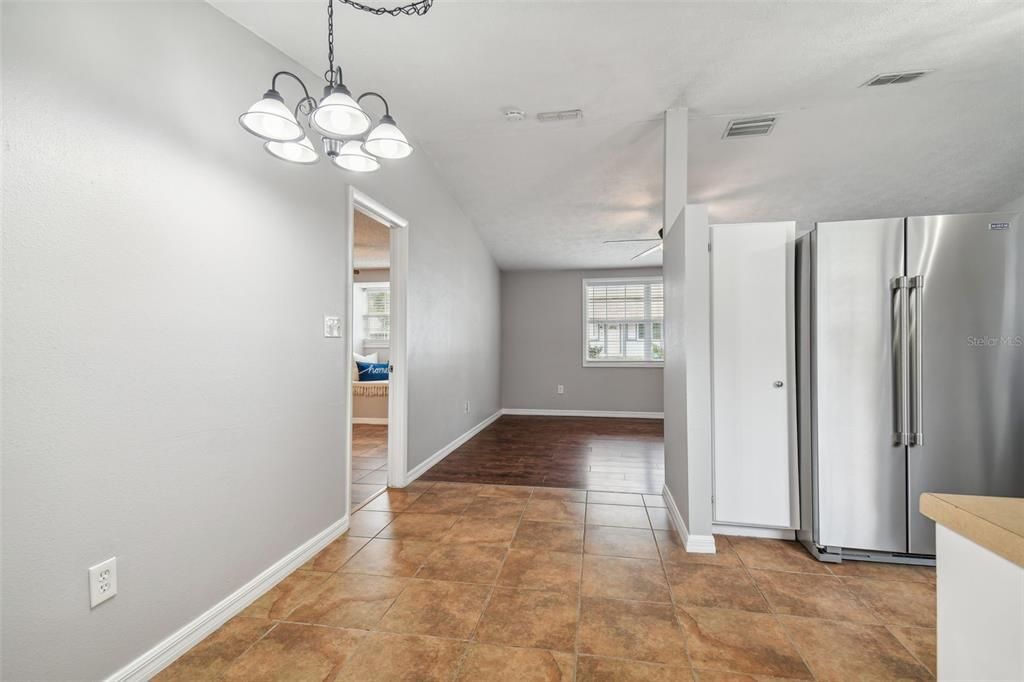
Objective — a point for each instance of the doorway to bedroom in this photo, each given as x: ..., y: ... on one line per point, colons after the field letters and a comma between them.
x: 370, y: 329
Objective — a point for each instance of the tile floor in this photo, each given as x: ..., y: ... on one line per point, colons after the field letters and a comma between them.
x: 447, y: 581
x: 369, y: 461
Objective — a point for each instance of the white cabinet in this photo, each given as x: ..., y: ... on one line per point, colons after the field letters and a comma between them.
x: 753, y: 381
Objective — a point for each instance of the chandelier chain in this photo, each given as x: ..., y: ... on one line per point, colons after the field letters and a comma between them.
x: 329, y: 75
x: 418, y: 8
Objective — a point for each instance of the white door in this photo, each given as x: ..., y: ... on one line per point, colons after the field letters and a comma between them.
x: 752, y: 375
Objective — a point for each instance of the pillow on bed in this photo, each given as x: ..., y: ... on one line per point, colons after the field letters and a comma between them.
x: 372, y: 371
x: 356, y: 357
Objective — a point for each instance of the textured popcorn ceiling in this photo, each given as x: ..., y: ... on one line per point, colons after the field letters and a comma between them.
x: 371, y: 243
x: 546, y: 195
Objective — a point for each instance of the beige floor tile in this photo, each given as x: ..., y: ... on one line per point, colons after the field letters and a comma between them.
x: 637, y: 543
x: 281, y: 599
x: 672, y: 551
x: 208, y: 659
x: 896, y: 602
x: 529, y: 618
x: 333, y: 556
x: 432, y: 607
x: 392, y: 501
x: 775, y: 555
x: 563, y: 494
x: 460, y: 488
x: 882, y: 571
x: 389, y: 656
x: 554, y: 511
x: 496, y: 507
x: 399, y: 558
x: 920, y: 642
x: 508, y: 664
x: 726, y: 587
x: 295, y: 652
x: 538, y: 569
x: 464, y: 562
x: 597, y: 669
x: 740, y: 641
x: 634, y: 630
x: 628, y: 499
x: 558, y: 537
x: 425, y: 527
x: 350, y: 600
x: 660, y: 520
x: 482, y: 530
x: 849, y: 651
x: 622, y: 578
x: 511, y: 491
x: 441, y: 503
x: 617, y: 515
x: 418, y: 486
x: 366, y: 524
x: 654, y: 501
x: 812, y: 596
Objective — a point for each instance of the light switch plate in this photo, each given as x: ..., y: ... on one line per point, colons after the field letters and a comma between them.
x: 332, y: 326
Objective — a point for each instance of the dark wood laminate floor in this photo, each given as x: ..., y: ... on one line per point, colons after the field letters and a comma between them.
x: 621, y: 455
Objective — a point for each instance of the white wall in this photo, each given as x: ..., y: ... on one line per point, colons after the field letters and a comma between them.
x: 1015, y: 205
x: 542, y: 346
x: 168, y: 396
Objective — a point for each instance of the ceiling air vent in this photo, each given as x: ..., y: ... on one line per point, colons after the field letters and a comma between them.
x: 746, y: 127
x: 896, y: 78
x: 564, y: 115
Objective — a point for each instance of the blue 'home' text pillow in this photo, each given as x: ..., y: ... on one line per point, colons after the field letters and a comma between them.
x: 372, y: 371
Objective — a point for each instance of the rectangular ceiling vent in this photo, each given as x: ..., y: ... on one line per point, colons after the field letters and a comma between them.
x: 747, y: 127
x: 564, y: 115
x: 896, y: 78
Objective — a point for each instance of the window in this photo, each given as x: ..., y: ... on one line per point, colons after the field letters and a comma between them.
x: 377, y: 316
x: 623, y: 322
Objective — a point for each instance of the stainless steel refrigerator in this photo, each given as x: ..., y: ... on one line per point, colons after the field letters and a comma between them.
x: 910, y: 376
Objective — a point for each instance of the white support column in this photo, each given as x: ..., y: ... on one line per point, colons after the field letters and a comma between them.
x: 676, y: 146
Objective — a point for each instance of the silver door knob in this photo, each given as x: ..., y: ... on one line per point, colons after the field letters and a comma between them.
x: 777, y: 384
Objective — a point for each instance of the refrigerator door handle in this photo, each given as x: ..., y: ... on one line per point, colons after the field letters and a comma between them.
x: 901, y: 435
x: 916, y: 361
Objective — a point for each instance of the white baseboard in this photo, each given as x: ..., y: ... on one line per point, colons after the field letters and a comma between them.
x: 448, y: 449
x: 583, y: 413
x: 698, y: 544
x: 369, y: 420
x: 753, y: 531
x: 166, y: 652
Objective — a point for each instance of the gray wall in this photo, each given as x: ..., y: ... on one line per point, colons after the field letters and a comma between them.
x: 541, y: 347
x: 167, y: 394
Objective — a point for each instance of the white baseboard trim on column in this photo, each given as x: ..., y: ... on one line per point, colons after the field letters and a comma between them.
x: 617, y: 414
x: 448, y: 449
x: 698, y: 544
x: 753, y: 531
x: 166, y: 652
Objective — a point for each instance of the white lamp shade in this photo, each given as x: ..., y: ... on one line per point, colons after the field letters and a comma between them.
x: 351, y: 157
x: 301, y: 151
x: 338, y: 115
x: 387, y: 141
x: 272, y: 120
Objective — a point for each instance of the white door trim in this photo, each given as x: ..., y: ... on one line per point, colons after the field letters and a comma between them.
x: 398, y: 386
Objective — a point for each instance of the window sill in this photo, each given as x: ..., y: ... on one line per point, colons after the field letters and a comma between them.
x: 640, y: 364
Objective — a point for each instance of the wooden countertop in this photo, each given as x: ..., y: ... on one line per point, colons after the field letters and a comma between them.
x: 995, y: 523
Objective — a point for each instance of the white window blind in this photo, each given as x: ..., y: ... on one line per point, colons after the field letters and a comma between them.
x: 377, y: 319
x: 623, y: 321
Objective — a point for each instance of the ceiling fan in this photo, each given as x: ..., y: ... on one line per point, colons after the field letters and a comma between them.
x: 656, y: 247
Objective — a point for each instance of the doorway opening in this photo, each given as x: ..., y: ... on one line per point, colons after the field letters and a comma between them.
x: 375, y: 336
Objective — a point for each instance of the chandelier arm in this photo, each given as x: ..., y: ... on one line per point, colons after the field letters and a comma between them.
x: 305, y: 90
x: 310, y: 106
x: 387, y: 109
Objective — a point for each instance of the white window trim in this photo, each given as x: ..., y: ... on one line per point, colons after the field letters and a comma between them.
x: 584, y: 347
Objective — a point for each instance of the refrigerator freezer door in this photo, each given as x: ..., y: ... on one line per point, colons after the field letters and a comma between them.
x: 968, y: 399
x: 860, y: 469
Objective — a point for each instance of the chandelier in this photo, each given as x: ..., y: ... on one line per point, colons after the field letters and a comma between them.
x: 343, y: 126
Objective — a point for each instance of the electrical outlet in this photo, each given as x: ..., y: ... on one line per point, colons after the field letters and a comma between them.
x: 561, y: 389
x: 102, y: 581
x: 465, y: 407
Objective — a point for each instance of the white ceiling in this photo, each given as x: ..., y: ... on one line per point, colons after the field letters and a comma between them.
x: 371, y: 243
x: 546, y: 195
